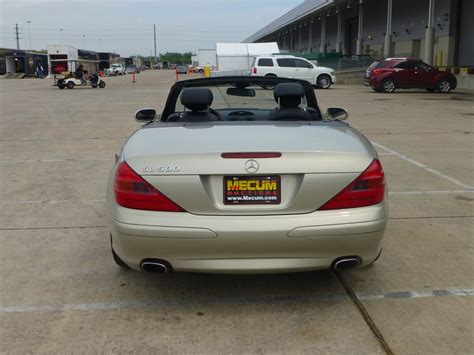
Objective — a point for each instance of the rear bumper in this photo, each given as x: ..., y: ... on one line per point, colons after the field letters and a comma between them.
x: 372, y: 82
x: 248, y: 244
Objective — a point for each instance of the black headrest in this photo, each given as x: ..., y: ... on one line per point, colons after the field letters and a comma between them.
x: 289, y: 94
x: 196, y: 99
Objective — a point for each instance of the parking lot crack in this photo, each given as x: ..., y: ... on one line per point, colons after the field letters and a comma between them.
x: 365, y: 315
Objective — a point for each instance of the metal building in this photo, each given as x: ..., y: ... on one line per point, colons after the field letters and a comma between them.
x: 440, y: 32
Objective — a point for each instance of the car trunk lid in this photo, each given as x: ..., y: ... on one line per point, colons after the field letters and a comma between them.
x: 186, y: 163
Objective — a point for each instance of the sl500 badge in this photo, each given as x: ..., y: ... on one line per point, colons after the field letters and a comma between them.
x: 162, y: 169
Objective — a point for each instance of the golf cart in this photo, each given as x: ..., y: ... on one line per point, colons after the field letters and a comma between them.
x: 70, y: 81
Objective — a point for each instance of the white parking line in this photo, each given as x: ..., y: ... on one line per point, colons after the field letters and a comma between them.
x: 235, y: 300
x: 425, y: 167
x: 457, y: 292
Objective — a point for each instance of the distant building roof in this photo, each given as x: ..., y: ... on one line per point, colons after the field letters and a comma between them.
x: 307, y: 7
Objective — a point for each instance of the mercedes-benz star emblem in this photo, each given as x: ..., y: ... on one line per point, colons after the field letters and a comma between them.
x: 251, y: 166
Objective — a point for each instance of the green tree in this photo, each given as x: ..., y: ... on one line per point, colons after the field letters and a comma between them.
x: 176, y: 58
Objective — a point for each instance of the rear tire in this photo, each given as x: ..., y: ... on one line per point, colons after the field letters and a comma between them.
x: 269, y: 87
x: 70, y: 85
x: 444, y: 86
x: 61, y: 86
x: 323, y: 81
x: 388, y: 86
x: 102, y: 84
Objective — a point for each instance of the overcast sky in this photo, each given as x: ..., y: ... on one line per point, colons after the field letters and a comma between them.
x: 127, y: 26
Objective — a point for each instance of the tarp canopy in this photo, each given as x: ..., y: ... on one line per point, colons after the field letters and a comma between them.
x: 262, y: 48
x: 207, y: 57
x: 240, y: 56
x: 246, y: 49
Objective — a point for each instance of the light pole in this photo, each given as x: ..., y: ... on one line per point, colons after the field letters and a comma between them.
x: 61, y: 36
x: 84, y: 41
x: 29, y: 33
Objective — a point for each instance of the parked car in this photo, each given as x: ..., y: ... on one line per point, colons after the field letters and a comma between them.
x: 132, y: 69
x: 116, y: 69
x: 234, y: 178
x: 293, y: 67
x: 196, y: 70
x: 402, y: 73
x: 182, y: 69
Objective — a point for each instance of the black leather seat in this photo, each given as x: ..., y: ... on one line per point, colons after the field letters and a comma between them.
x: 198, y: 101
x: 289, y: 96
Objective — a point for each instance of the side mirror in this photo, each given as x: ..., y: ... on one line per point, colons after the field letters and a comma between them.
x: 338, y: 112
x: 145, y: 115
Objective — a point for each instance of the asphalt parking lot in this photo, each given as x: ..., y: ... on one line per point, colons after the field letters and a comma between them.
x: 61, y: 292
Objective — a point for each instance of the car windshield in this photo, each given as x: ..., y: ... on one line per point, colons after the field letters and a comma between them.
x: 227, y: 97
x: 250, y: 102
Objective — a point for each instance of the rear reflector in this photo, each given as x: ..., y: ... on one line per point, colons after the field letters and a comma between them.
x: 368, y: 189
x: 254, y: 70
x: 251, y: 155
x: 132, y: 191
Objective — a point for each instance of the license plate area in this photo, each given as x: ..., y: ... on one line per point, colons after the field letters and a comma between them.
x: 252, y: 190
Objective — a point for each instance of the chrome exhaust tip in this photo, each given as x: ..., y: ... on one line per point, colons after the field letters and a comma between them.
x: 155, y: 266
x: 347, y: 262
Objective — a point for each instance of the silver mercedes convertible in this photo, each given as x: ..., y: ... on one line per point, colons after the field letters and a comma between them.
x: 246, y: 175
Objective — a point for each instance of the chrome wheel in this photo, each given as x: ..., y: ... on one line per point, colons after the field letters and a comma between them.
x: 444, y: 86
x: 324, y: 81
x: 388, y: 85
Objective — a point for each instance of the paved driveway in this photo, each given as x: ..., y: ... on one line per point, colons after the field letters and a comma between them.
x: 60, y: 290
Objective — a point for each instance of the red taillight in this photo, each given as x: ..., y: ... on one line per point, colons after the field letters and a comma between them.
x: 368, y: 189
x: 376, y: 71
x: 132, y: 191
x: 254, y: 70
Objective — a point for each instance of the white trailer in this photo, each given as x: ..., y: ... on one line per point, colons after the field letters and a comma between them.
x: 62, y: 58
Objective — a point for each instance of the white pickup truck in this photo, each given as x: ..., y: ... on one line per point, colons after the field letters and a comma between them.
x: 116, y: 69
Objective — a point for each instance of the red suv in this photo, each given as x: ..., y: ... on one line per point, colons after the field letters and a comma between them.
x: 393, y: 73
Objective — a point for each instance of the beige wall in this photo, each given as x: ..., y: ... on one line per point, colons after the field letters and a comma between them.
x: 444, y: 51
x: 404, y: 48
